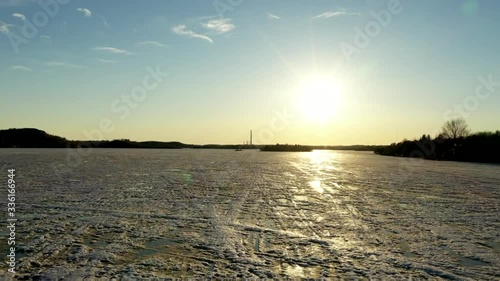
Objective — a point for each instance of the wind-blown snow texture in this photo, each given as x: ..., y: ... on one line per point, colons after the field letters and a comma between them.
x: 220, y: 213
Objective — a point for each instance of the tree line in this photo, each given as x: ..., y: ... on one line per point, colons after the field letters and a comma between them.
x: 455, y: 142
x: 34, y: 138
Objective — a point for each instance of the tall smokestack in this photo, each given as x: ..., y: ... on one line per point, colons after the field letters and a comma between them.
x: 250, y: 137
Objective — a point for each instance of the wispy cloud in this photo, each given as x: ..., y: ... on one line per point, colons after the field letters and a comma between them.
x: 151, y: 43
x: 63, y: 64
x: 113, y: 50
x: 4, y: 27
x: 20, y: 68
x: 104, y: 21
x: 332, y: 14
x: 272, y: 17
x: 45, y: 37
x: 106, y: 61
x: 183, y: 30
x: 219, y: 25
x: 20, y: 16
x: 86, y: 12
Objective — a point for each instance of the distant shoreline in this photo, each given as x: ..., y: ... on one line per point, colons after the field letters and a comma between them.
x: 35, y: 138
x: 477, y: 148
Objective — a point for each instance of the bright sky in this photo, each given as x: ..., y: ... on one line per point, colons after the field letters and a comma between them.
x: 310, y: 72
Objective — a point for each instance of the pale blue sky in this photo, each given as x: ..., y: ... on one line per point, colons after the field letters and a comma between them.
x: 231, y: 70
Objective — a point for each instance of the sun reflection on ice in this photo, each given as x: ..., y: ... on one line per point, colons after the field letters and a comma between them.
x: 319, y: 157
x: 320, y: 187
x: 317, y: 186
x: 320, y: 162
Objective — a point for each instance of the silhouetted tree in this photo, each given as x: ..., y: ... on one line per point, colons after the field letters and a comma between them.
x: 455, y: 128
x: 28, y: 137
x: 477, y: 147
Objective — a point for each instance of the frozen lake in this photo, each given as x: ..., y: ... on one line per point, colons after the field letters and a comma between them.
x: 221, y: 213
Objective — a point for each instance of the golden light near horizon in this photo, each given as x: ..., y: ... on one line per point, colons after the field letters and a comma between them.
x: 319, y: 99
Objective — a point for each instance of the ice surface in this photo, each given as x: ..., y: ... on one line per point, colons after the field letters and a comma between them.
x: 142, y: 214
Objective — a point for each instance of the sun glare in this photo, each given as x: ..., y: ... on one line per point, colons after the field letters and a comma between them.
x: 319, y: 99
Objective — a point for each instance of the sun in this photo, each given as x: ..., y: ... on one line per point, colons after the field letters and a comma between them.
x: 319, y: 99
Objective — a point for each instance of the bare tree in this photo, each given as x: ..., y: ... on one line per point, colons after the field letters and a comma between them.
x: 455, y: 128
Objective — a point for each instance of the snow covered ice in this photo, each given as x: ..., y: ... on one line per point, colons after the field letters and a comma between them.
x: 216, y: 213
